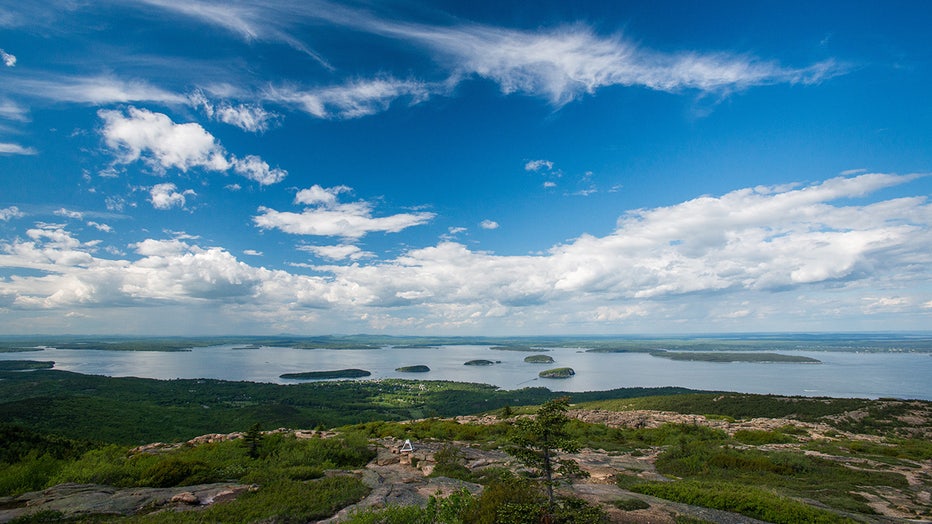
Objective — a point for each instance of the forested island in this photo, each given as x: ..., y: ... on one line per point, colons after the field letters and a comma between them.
x: 413, y: 369
x: 320, y: 375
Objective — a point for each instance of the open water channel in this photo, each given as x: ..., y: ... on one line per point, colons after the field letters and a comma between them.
x: 841, y: 374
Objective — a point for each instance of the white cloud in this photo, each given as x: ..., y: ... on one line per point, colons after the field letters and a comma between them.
x: 7, y: 148
x: 329, y: 217
x: 352, y: 100
x: 488, y: 224
x: 809, y: 255
x: 100, y: 227
x: 258, y: 170
x: 248, y: 117
x: 8, y: 59
x: 12, y: 111
x: 98, y: 90
x: 77, y: 215
x: 317, y: 195
x: 338, y: 252
x: 166, y: 196
x: 142, y: 134
x: 563, y: 63
x: 155, y: 139
x: 250, y: 22
x: 549, y: 184
x: 537, y: 165
x: 345, y: 220
x: 252, y: 252
x: 9, y: 213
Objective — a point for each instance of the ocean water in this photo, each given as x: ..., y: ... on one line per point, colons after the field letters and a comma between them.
x: 841, y: 374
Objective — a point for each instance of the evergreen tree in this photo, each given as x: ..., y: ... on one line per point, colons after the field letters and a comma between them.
x: 536, y: 442
x: 252, y: 439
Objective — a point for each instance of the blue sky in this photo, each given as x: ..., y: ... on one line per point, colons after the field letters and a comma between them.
x: 463, y: 168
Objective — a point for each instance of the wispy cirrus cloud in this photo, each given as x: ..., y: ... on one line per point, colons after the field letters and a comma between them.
x: 564, y: 63
x: 354, y: 99
x: 9, y: 148
x: 559, y: 64
x: 96, y: 90
x: 250, y: 20
x: 248, y: 117
x: 140, y: 134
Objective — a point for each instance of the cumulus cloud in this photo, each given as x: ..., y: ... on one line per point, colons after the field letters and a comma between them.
x: 258, y: 170
x: 317, y: 195
x: 488, y: 224
x: 100, y: 227
x: 8, y: 59
x: 537, y: 165
x: 698, y: 261
x: 166, y: 196
x: 352, y: 220
x: 155, y: 139
x: 326, y: 216
x: 9, y: 213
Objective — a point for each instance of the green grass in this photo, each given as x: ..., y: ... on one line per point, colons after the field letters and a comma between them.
x: 741, y: 498
x: 281, y: 501
x: 280, y: 457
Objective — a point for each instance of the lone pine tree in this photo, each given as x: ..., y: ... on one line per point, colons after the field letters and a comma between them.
x: 536, y: 442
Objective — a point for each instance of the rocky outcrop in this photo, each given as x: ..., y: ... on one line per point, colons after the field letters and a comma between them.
x: 75, y: 500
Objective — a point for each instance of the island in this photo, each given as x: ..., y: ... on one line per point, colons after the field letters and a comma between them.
x: 413, y: 369
x: 539, y: 359
x: 557, y: 373
x: 731, y: 356
x: 25, y: 365
x: 318, y: 375
x: 517, y: 348
x: 479, y: 362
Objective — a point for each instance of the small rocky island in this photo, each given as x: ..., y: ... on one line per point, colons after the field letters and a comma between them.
x: 321, y: 375
x: 539, y: 359
x: 481, y: 362
x: 557, y: 373
x: 413, y: 369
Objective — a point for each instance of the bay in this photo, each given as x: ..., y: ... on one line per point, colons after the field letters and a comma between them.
x: 841, y: 374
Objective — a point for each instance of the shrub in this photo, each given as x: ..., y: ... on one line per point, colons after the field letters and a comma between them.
x: 630, y: 504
